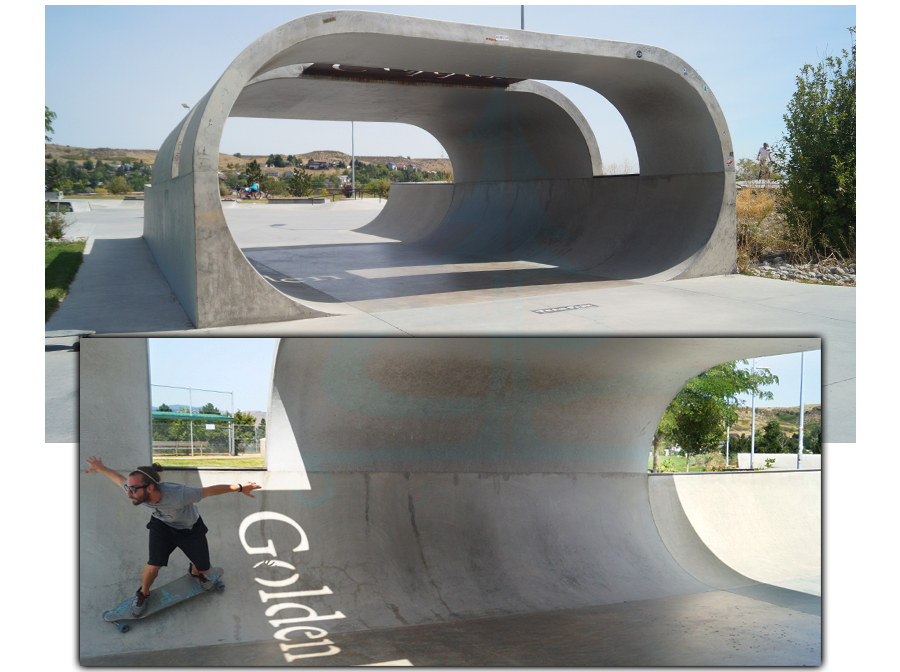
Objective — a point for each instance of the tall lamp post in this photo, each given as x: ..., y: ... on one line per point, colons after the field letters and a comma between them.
x: 800, y: 446
x: 352, y: 162
x: 753, y: 417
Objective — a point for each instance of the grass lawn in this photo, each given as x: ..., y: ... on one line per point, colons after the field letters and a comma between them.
x: 678, y: 460
x: 61, y: 262
x: 235, y: 462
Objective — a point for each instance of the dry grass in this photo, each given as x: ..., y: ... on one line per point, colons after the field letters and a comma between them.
x: 762, y: 231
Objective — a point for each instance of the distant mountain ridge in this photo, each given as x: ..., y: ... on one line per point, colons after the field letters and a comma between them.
x: 788, y: 417
x: 106, y: 154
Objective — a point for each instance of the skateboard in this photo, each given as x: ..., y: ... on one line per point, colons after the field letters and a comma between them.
x: 183, y: 588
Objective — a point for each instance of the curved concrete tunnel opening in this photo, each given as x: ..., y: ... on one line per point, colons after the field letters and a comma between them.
x: 524, y: 160
x: 614, y: 140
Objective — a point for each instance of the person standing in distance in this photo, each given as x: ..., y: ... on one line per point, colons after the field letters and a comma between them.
x: 763, y: 157
x: 175, y: 521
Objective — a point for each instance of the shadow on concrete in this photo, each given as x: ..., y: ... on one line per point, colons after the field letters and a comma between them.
x: 382, y: 271
x: 68, y: 348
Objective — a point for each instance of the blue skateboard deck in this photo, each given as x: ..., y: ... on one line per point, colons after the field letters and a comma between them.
x: 183, y: 588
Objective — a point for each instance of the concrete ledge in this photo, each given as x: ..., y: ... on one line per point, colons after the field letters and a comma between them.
x: 278, y: 201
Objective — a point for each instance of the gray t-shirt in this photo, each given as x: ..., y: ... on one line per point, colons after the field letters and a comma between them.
x: 178, y: 506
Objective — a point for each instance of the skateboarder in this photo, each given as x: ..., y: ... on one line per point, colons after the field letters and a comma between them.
x: 763, y: 157
x: 175, y: 521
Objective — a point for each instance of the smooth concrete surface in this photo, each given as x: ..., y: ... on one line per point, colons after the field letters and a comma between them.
x: 767, y: 526
x: 783, y: 461
x: 524, y: 159
x: 60, y: 390
x: 114, y: 402
x: 483, y: 489
x: 706, y: 629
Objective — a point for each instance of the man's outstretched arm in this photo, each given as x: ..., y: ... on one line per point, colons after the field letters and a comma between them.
x: 97, y: 466
x: 244, y: 488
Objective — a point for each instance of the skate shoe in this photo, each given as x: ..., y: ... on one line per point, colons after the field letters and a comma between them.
x: 140, y: 603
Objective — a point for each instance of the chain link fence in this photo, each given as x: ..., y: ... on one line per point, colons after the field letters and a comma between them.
x: 198, y: 438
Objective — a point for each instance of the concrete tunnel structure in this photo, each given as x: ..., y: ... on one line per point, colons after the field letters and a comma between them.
x: 424, y: 481
x: 528, y: 183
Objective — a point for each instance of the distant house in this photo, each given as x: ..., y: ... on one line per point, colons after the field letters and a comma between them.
x: 413, y: 166
x: 273, y: 174
x: 317, y: 165
x: 344, y: 179
x: 391, y: 165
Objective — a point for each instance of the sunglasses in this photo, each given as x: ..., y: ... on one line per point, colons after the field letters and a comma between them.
x: 134, y: 488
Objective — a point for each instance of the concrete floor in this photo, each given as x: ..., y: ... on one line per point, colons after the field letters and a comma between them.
x: 716, y: 628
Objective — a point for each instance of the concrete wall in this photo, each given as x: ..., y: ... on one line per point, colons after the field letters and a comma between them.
x: 497, y: 139
x: 782, y: 461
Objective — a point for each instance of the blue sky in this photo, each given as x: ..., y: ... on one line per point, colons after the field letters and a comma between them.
x: 121, y: 83
x: 243, y: 366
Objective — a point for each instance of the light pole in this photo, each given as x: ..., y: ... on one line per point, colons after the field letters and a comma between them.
x: 753, y: 417
x: 352, y: 163
x: 727, y: 443
x: 523, y: 17
x: 800, y: 446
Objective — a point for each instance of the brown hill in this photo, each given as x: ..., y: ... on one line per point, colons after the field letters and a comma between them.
x: 106, y: 154
x: 788, y: 418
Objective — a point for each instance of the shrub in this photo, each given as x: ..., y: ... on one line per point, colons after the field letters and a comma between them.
x: 55, y: 223
x: 117, y: 185
x: 818, y: 155
x: 667, y: 465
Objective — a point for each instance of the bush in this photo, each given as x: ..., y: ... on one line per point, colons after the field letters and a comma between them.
x: 818, y: 155
x: 382, y: 187
x: 117, y: 185
x: 667, y: 466
x: 55, y: 223
x: 100, y: 191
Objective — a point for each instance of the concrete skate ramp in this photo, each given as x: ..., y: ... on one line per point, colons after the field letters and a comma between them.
x: 525, y: 162
x: 416, y: 481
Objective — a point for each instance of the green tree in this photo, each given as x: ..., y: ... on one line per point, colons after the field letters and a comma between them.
x: 773, y: 438
x: 48, y: 123
x: 209, y: 408
x: 54, y: 173
x: 300, y: 183
x: 117, y: 185
x: 812, y: 437
x: 254, y: 173
x: 164, y: 408
x: 382, y: 186
x: 817, y: 155
x: 697, y: 418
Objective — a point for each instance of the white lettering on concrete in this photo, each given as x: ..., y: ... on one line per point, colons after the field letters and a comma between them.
x: 309, y: 635
x: 265, y: 597
x: 331, y: 651
x: 312, y: 614
x: 270, y: 548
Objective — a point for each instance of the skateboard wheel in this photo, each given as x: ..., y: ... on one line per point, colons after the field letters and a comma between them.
x: 123, y: 627
x: 220, y: 586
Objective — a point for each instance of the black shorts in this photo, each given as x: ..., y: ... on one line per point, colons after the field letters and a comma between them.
x: 165, y: 539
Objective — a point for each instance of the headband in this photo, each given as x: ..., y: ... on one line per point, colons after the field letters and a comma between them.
x: 148, y: 476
